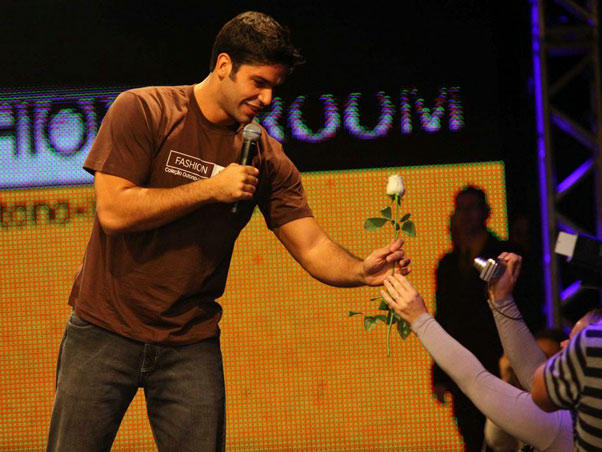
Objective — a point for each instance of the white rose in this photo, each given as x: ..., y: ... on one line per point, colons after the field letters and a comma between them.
x: 395, y: 186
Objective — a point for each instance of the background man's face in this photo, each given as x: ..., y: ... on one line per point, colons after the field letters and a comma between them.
x: 470, y: 215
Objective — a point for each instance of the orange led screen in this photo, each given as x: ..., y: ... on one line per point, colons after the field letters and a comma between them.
x: 300, y: 373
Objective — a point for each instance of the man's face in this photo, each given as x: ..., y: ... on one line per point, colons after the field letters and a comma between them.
x: 469, y: 213
x: 245, y: 93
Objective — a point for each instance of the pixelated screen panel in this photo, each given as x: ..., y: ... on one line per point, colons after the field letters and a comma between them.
x: 300, y: 373
x: 46, y: 135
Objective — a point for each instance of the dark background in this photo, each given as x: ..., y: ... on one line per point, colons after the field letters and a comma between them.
x: 482, y: 46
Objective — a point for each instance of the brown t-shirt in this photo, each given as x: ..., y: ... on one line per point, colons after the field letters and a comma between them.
x: 160, y: 286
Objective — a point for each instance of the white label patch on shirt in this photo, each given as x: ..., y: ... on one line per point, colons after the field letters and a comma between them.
x: 190, y: 167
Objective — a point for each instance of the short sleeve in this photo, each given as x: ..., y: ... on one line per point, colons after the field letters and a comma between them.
x: 563, y: 375
x: 124, y: 144
x: 285, y: 200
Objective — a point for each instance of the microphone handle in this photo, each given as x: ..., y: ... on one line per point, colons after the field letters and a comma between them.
x: 245, y: 152
x: 244, y: 160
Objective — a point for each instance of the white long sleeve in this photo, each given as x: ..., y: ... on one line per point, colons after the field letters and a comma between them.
x: 521, y: 348
x: 498, y: 439
x: 510, y: 408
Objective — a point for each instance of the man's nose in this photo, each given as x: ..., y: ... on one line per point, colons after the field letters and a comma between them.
x: 265, y: 97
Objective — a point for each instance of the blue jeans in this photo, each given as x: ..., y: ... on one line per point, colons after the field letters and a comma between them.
x: 99, y: 373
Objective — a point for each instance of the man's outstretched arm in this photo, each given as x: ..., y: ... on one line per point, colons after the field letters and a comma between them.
x: 332, y: 264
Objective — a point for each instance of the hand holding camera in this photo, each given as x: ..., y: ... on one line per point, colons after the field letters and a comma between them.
x: 501, y: 274
x: 489, y: 270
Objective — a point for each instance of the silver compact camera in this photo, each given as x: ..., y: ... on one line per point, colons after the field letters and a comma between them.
x: 489, y: 269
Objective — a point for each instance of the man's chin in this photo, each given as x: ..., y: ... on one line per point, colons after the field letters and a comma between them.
x: 249, y: 112
x: 245, y: 119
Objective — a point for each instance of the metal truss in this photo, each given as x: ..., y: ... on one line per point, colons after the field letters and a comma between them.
x: 566, y: 70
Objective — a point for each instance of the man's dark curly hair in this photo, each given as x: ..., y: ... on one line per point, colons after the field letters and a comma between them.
x: 255, y: 38
x: 479, y: 193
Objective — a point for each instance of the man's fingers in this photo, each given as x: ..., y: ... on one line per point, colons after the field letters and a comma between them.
x: 251, y: 170
x: 392, y: 252
x: 381, y: 253
x: 403, y: 266
x: 405, y: 271
x: 395, y: 256
x: 395, y: 244
x: 403, y: 263
x: 251, y: 180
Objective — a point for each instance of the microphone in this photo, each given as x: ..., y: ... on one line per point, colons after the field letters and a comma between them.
x: 250, y: 135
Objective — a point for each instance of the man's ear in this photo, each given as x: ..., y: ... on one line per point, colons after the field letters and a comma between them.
x: 223, y: 66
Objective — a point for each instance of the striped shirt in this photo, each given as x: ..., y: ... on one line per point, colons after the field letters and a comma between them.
x: 574, y: 381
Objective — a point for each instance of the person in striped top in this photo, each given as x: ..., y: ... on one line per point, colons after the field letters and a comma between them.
x: 509, y: 407
x: 572, y: 379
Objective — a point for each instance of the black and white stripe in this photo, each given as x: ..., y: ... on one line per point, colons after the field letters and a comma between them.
x: 574, y: 381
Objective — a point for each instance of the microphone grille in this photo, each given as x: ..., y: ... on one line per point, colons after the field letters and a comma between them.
x: 251, y: 132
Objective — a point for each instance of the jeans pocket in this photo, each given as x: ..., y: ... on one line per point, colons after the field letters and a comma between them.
x: 77, y: 321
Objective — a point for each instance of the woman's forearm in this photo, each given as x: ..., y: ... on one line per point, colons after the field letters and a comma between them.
x: 520, y: 346
x: 507, y: 406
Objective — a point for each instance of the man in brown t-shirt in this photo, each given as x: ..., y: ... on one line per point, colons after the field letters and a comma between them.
x: 144, y: 310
